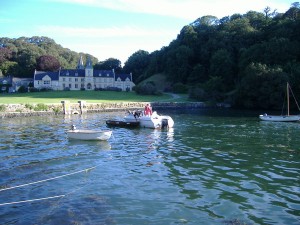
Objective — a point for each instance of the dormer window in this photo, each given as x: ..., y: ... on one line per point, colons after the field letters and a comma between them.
x: 67, y: 73
x: 107, y: 75
x: 76, y: 74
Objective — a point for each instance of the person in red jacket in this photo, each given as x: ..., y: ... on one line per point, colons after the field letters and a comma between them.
x: 148, y: 110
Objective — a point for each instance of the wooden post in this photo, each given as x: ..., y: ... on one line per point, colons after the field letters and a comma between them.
x: 66, y: 107
x: 82, y: 107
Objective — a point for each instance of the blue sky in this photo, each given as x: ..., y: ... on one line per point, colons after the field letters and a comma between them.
x: 116, y: 28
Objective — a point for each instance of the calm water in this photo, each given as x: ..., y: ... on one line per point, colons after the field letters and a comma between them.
x: 210, y: 169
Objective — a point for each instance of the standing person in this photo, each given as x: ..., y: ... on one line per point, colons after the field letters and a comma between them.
x: 148, y: 110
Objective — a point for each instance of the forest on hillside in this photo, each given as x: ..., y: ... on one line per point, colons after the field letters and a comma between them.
x: 243, y: 59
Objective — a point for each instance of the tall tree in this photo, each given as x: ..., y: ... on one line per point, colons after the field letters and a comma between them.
x: 47, y: 63
x: 109, y: 64
x: 137, y: 64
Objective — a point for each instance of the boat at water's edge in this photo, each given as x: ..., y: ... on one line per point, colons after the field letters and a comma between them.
x: 154, y: 121
x: 89, y: 135
x: 283, y: 118
x: 288, y: 118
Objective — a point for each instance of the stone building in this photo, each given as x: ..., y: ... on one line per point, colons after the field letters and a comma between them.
x: 82, y: 78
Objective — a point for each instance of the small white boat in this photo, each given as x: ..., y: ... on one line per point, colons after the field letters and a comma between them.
x: 97, y: 135
x: 283, y: 118
x: 154, y: 121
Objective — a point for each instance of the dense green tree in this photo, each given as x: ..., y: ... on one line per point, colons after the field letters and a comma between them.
x: 5, y: 54
x: 262, y: 86
x: 10, y: 68
x: 47, y: 63
x: 222, y: 66
x: 137, y: 64
x: 198, y: 75
x: 25, y: 51
x: 177, y: 66
x: 109, y: 64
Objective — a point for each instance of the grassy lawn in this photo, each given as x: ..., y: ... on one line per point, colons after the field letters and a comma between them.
x: 89, y: 96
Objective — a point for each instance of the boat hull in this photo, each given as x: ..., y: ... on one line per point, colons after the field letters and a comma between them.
x: 89, y: 135
x: 120, y: 123
x: 293, y: 118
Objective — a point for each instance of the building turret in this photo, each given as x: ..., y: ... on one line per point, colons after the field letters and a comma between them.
x: 89, y: 64
x: 89, y: 75
x: 80, y: 63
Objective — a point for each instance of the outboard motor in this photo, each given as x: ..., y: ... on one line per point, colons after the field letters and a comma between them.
x: 73, y: 127
x: 164, y: 123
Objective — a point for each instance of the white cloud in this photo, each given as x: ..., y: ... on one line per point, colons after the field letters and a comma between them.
x: 104, y: 43
x: 186, y: 9
x: 119, y: 50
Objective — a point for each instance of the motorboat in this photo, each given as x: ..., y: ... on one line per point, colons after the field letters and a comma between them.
x: 154, y: 121
x: 97, y: 135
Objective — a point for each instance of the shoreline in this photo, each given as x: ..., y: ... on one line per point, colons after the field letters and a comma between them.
x: 82, y: 107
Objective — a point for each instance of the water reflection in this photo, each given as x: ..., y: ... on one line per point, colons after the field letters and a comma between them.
x: 209, y: 169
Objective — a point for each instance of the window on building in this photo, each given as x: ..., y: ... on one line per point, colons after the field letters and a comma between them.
x: 70, y: 79
x: 46, y: 82
x: 76, y: 86
x: 70, y: 86
x: 76, y: 79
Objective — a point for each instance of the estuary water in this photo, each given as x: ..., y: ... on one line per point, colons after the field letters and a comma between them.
x: 213, y: 167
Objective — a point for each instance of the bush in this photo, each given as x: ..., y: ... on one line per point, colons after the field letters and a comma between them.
x: 56, y: 109
x: 29, y: 106
x: 46, y: 89
x: 113, y: 89
x: 41, y: 107
x: 148, y: 88
x: 2, y: 108
x: 32, y: 89
x: 22, y: 89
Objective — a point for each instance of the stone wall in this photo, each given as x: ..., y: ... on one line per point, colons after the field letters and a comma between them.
x: 65, y: 107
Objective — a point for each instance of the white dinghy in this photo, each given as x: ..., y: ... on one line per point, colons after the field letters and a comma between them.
x: 89, y: 135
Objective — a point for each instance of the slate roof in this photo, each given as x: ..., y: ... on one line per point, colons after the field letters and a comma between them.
x: 103, y: 73
x: 123, y: 77
x: 72, y: 73
x: 39, y: 75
